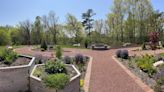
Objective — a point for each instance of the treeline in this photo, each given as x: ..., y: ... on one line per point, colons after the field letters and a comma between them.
x: 45, y: 28
x: 129, y: 21
x: 132, y: 20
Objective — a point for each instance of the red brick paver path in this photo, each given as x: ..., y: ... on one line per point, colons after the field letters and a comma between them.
x: 106, y: 74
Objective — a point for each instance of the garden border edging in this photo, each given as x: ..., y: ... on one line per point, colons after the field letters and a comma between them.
x: 21, y: 66
x: 88, y: 75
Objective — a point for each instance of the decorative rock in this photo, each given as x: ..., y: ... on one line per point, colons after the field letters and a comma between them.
x: 126, y: 44
x: 160, y: 44
x: 158, y: 63
x: 10, y: 47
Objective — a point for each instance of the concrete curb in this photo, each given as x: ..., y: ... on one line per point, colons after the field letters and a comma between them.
x: 88, y: 75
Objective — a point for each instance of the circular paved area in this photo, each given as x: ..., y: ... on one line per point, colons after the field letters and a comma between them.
x: 106, y: 74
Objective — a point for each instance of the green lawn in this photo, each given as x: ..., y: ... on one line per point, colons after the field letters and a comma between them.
x: 161, y: 54
x: 68, y: 46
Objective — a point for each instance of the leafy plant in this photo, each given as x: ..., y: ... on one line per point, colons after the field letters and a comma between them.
x: 143, y: 46
x: 57, y: 81
x: 38, y: 72
x: 53, y: 67
x: 58, y: 52
x: 145, y: 63
x: 7, y: 56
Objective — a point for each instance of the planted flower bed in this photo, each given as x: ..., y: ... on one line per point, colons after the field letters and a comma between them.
x: 54, y: 76
x: 41, y: 73
x: 14, y: 71
x: 9, y: 58
x: 81, y: 62
x: 142, y: 66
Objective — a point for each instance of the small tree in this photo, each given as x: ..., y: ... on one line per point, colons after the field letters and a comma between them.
x: 88, y: 21
x: 43, y: 45
x: 58, y: 52
x: 154, y: 38
x: 86, y: 43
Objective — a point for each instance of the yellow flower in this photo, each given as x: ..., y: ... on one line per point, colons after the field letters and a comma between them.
x: 81, y: 82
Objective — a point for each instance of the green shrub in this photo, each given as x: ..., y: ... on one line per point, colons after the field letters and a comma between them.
x: 43, y: 45
x: 57, y: 81
x: 143, y: 46
x: 7, y: 56
x: 86, y: 43
x: 2, y: 55
x: 58, y: 52
x: 145, y: 63
x: 52, y: 67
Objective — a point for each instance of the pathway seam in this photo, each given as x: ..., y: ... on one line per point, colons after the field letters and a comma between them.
x: 145, y: 87
x: 88, y: 75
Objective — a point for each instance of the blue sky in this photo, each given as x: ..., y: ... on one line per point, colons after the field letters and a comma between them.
x: 13, y: 11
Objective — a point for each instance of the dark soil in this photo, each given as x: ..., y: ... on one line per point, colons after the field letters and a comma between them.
x: 39, y: 72
x: 19, y: 61
x: 39, y: 49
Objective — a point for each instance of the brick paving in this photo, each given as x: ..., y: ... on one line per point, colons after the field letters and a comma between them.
x: 106, y: 74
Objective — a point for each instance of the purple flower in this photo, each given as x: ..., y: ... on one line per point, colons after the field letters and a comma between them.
x: 160, y: 74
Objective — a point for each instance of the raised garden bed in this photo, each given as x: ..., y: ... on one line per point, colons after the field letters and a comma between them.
x: 15, y: 77
x: 82, y: 66
x: 21, y: 60
x: 38, y: 86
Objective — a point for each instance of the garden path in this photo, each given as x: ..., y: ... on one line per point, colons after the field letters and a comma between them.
x: 106, y: 74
